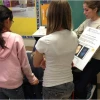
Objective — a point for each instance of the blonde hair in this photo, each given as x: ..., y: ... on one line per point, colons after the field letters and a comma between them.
x: 59, y: 16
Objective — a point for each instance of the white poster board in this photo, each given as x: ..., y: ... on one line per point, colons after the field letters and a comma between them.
x: 89, y: 42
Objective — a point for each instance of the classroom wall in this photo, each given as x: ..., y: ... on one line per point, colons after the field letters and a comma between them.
x: 77, y: 12
x: 24, y: 26
x: 29, y: 42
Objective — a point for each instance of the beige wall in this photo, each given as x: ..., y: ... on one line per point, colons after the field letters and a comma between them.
x: 29, y: 43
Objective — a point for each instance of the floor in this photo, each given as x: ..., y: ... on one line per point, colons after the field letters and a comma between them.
x: 98, y: 80
x: 98, y: 93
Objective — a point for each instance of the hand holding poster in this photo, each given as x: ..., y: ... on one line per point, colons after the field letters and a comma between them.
x: 89, y: 42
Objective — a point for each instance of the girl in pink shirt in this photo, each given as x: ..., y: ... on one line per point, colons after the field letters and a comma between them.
x: 13, y: 59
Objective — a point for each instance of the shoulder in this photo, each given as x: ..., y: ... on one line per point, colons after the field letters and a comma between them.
x: 16, y: 35
x: 98, y: 23
x: 74, y: 34
x: 18, y: 39
x: 86, y: 21
x: 99, y: 19
x: 11, y: 35
x: 45, y: 39
x: 70, y: 33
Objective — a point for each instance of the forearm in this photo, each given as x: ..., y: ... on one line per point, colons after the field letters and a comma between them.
x: 28, y: 73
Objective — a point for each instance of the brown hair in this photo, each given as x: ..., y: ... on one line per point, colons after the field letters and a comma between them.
x: 93, y: 4
x: 5, y: 13
x: 59, y: 16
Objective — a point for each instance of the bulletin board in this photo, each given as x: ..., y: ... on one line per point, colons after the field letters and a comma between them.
x: 41, y: 4
x: 28, y: 15
x: 24, y: 12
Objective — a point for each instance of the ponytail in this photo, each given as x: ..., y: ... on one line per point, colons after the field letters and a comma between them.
x: 2, y: 41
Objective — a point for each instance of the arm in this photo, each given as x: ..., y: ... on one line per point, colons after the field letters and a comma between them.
x: 80, y: 29
x: 38, y: 58
x: 43, y: 63
x: 41, y: 49
x: 24, y: 62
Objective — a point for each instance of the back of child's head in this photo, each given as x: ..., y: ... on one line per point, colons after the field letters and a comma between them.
x: 58, y: 16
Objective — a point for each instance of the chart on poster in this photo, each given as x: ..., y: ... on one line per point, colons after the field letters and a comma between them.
x: 89, y: 42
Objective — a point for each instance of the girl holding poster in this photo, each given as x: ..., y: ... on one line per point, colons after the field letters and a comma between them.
x: 91, y: 10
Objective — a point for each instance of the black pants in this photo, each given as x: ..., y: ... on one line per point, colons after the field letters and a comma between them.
x: 12, y: 93
x: 81, y: 79
x: 33, y: 91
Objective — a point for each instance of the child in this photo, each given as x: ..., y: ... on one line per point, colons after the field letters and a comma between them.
x: 13, y: 59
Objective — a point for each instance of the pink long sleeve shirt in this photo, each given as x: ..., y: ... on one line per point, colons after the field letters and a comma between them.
x: 13, y: 62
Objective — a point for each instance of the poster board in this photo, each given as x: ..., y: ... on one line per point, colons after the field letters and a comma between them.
x: 89, y: 42
x: 44, y: 11
x: 24, y: 26
x: 24, y: 12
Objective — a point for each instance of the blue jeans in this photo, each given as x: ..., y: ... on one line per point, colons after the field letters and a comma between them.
x: 62, y: 91
x: 12, y: 93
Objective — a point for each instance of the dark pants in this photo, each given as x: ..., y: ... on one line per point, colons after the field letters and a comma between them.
x: 62, y: 91
x: 33, y: 91
x: 82, y: 79
x: 12, y: 93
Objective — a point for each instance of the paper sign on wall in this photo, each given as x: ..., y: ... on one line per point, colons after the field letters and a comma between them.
x: 44, y: 11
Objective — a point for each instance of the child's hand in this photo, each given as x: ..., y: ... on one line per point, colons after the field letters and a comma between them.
x: 35, y: 81
x: 72, y: 64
